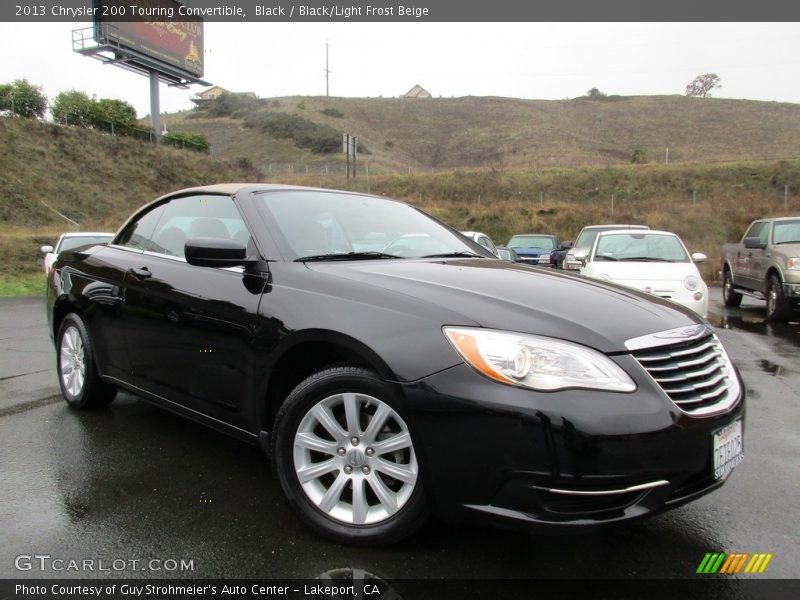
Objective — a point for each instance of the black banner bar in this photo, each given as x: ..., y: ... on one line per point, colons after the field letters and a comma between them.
x: 368, y: 587
x: 411, y: 11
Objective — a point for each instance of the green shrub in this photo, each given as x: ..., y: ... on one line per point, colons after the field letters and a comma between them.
x: 320, y: 139
x: 182, y: 139
x: 332, y: 112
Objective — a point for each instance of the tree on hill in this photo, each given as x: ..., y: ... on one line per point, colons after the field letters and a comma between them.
x: 110, y: 111
x: 77, y: 108
x: 73, y: 108
x: 701, y: 86
x: 23, y: 99
x: 594, y: 93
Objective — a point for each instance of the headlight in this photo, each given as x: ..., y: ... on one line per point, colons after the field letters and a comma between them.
x: 793, y: 264
x: 691, y: 283
x: 535, y: 362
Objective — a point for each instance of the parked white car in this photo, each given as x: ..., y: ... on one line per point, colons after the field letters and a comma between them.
x: 70, y: 241
x: 656, y: 262
x: 482, y: 239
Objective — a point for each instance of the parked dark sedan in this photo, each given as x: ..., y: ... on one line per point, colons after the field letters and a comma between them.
x: 387, y: 384
x: 539, y: 249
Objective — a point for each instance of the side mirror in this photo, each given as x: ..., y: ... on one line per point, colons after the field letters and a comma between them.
x: 753, y: 243
x: 581, y: 256
x: 566, y: 245
x: 215, y: 252
x: 699, y: 257
x: 46, y: 249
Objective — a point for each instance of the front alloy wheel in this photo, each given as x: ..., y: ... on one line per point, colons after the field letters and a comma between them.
x: 354, y: 458
x: 778, y: 308
x: 346, y: 460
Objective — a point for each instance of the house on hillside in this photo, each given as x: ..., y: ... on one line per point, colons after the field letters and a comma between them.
x: 216, y: 91
x: 417, y: 92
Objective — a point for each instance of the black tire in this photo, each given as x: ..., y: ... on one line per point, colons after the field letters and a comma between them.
x: 75, y: 357
x: 331, y: 519
x: 730, y: 297
x: 778, y: 308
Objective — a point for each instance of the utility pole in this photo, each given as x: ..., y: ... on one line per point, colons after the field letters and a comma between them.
x: 327, y: 71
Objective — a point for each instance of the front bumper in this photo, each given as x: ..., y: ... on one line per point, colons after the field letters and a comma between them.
x: 791, y: 290
x: 513, y: 457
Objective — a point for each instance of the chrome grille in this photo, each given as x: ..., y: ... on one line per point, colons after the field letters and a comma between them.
x: 692, y: 368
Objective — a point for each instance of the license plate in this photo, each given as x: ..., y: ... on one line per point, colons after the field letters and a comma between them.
x: 728, y: 449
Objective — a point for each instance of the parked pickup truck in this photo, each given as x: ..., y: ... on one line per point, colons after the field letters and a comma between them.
x: 765, y: 265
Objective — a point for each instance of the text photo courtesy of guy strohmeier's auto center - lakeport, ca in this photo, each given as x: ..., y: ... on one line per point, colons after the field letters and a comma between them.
x: 443, y: 300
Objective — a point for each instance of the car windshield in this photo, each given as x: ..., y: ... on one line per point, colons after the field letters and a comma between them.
x: 72, y: 242
x: 319, y: 225
x: 786, y: 232
x: 587, y: 236
x: 545, y: 242
x: 641, y: 247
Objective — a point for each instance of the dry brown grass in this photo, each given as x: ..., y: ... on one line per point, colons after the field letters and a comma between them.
x: 99, y: 181
x: 443, y: 133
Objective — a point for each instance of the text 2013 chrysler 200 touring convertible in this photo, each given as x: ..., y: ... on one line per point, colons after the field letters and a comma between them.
x: 392, y: 368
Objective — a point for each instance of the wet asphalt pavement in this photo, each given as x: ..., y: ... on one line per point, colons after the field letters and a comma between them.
x: 134, y: 482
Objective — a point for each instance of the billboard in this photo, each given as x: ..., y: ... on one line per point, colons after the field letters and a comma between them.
x: 153, y: 33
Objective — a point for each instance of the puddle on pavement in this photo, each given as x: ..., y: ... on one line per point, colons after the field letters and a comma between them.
x: 754, y: 321
x: 770, y: 368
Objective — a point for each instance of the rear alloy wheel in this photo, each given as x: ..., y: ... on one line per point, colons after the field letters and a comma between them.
x: 778, y: 308
x: 345, y: 458
x: 730, y: 297
x: 77, y: 374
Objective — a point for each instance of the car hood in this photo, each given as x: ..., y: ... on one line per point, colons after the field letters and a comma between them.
x: 642, y: 271
x: 502, y: 295
x: 532, y: 251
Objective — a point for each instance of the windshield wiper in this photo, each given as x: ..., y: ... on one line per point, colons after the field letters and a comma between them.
x: 788, y: 242
x: 647, y: 259
x: 454, y: 255
x: 603, y: 257
x: 346, y: 256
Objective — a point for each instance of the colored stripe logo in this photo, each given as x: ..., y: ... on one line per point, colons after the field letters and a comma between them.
x: 733, y: 563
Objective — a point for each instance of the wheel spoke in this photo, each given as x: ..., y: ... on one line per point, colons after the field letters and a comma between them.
x: 333, y: 494
x: 360, y: 506
x: 316, y: 443
x: 376, y: 423
x: 351, y: 413
x: 69, y: 340
x: 402, y: 473
x: 387, y: 497
x: 316, y: 470
x: 397, y: 442
x: 67, y: 364
x: 325, y: 417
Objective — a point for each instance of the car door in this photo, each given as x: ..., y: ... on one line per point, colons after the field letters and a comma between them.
x: 759, y: 259
x: 193, y: 328
x: 743, y: 261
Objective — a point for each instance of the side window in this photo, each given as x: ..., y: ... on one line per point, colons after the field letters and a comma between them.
x: 487, y: 243
x: 755, y: 229
x: 138, y: 233
x: 763, y: 235
x: 197, y: 217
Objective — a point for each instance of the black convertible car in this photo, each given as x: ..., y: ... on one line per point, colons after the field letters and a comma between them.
x: 392, y: 368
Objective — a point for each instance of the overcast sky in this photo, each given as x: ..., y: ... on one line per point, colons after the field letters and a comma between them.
x: 757, y: 61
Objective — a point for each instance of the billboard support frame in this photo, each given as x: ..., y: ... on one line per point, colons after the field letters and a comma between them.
x: 95, y: 42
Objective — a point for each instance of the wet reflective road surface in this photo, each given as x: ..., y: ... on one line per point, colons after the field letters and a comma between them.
x: 136, y: 483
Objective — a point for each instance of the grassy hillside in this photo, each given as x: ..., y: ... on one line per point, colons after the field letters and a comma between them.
x: 98, y: 181
x: 443, y: 133
x: 92, y: 178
